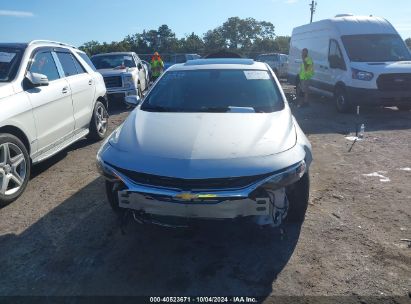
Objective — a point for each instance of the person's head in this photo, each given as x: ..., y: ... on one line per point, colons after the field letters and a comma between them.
x: 304, y: 53
x: 41, y: 62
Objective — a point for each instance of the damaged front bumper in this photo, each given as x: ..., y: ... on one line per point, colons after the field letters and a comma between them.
x: 216, y: 204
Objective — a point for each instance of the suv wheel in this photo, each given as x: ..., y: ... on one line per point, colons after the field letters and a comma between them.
x: 342, y: 102
x: 298, y: 194
x: 99, y: 122
x: 14, y: 168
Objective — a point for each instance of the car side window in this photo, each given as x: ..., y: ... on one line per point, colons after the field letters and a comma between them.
x: 79, y: 67
x: 335, y: 56
x: 43, y: 63
x: 67, y: 63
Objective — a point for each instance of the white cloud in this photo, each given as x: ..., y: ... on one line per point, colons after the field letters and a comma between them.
x: 20, y: 14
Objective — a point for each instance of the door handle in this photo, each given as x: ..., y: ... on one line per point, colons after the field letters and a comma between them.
x: 90, y: 82
x: 65, y: 90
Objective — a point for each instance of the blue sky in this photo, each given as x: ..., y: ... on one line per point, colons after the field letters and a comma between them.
x: 78, y: 21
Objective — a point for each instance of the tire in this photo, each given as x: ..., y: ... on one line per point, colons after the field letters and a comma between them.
x: 99, y: 122
x: 298, y: 195
x: 342, y: 102
x: 112, y: 197
x: 14, y: 168
x: 404, y: 108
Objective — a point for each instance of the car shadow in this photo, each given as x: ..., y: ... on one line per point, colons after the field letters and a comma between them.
x: 321, y: 117
x: 78, y: 249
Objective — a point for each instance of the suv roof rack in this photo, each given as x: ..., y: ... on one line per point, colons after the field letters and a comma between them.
x: 50, y: 41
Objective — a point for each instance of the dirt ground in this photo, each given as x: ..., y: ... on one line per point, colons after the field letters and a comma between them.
x: 61, y: 237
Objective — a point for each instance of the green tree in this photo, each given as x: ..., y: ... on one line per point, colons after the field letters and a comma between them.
x: 192, y: 44
x: 214, y: 40
x: 282, y: 44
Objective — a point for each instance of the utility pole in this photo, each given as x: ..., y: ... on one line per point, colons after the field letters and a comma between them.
x: 313, y: 6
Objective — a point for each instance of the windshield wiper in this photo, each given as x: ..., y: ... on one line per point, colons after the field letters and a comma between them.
x: 159, y: 109
x: 214, y: 109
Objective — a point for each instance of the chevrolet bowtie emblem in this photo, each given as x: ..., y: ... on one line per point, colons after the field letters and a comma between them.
x: 186, y: 196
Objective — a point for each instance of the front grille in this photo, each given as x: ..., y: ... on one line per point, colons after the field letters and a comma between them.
x: 191, y: 184
x: 113, y: 81
x: 394, y: 82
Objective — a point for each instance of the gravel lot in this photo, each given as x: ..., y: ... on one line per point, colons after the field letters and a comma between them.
x: 61, y: 238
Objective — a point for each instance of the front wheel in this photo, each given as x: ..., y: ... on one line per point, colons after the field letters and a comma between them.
x: 14, y: 168
x: 298, y: 195
x: 99, y: 122
x: 112, y: 196
x: 342, y: 102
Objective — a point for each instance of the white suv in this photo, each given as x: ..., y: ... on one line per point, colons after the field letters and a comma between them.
x: 50, y: 97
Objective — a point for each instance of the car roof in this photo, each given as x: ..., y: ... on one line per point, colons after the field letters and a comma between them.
x: 220, y: 63
x: 114, y: 53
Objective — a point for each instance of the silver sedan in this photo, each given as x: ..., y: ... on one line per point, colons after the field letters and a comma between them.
x: 214, y: 139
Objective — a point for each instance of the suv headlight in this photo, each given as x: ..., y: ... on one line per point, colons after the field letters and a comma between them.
x: 129, y: 80
x: 362, y: 75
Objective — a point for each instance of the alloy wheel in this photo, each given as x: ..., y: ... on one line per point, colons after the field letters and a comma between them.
x: 13, y: 169
x: 101, y: 119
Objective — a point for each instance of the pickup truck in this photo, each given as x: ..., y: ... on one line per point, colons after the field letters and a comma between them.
x: 124, y: 74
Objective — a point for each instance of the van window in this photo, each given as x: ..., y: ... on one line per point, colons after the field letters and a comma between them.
x: 335, y: 56
x: 375, y: 48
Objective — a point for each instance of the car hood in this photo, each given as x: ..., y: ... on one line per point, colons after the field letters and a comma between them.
x: 207, y: 135
x: 383, y: 67
x: 204, y: 145
x: 115, y: 72
x: 6, y: 89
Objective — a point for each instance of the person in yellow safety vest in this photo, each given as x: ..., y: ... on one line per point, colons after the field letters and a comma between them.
x: 306, y: 73
x: 157, y: 66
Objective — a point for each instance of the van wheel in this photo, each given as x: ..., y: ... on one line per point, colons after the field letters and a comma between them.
x: 99, y: 122
x: 298, y: 195
x: 342, y: 102
x: 14, y: 168
x: 404, y: 108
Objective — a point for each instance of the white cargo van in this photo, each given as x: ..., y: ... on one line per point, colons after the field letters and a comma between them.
x: 357, y: 61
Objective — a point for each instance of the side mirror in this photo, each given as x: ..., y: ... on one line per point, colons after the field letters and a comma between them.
x: 37, y: 80
x: 139, y: 66
x: 132, y: 100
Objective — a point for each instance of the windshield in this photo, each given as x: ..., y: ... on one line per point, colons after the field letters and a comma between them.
x: 215, y: 91
x: 9, y: 63
x: 113, y: 61
x: 375, y: 48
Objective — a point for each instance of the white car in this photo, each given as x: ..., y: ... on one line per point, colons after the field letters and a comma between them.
x: 357, y: 60
x: 215, y: 139
x: 124, y: 74
x: 50, y: 97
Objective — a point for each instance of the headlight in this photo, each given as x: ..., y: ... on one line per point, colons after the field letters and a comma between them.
x: 129, y: 80
x: 114, y: 137
x: 362, y: 75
